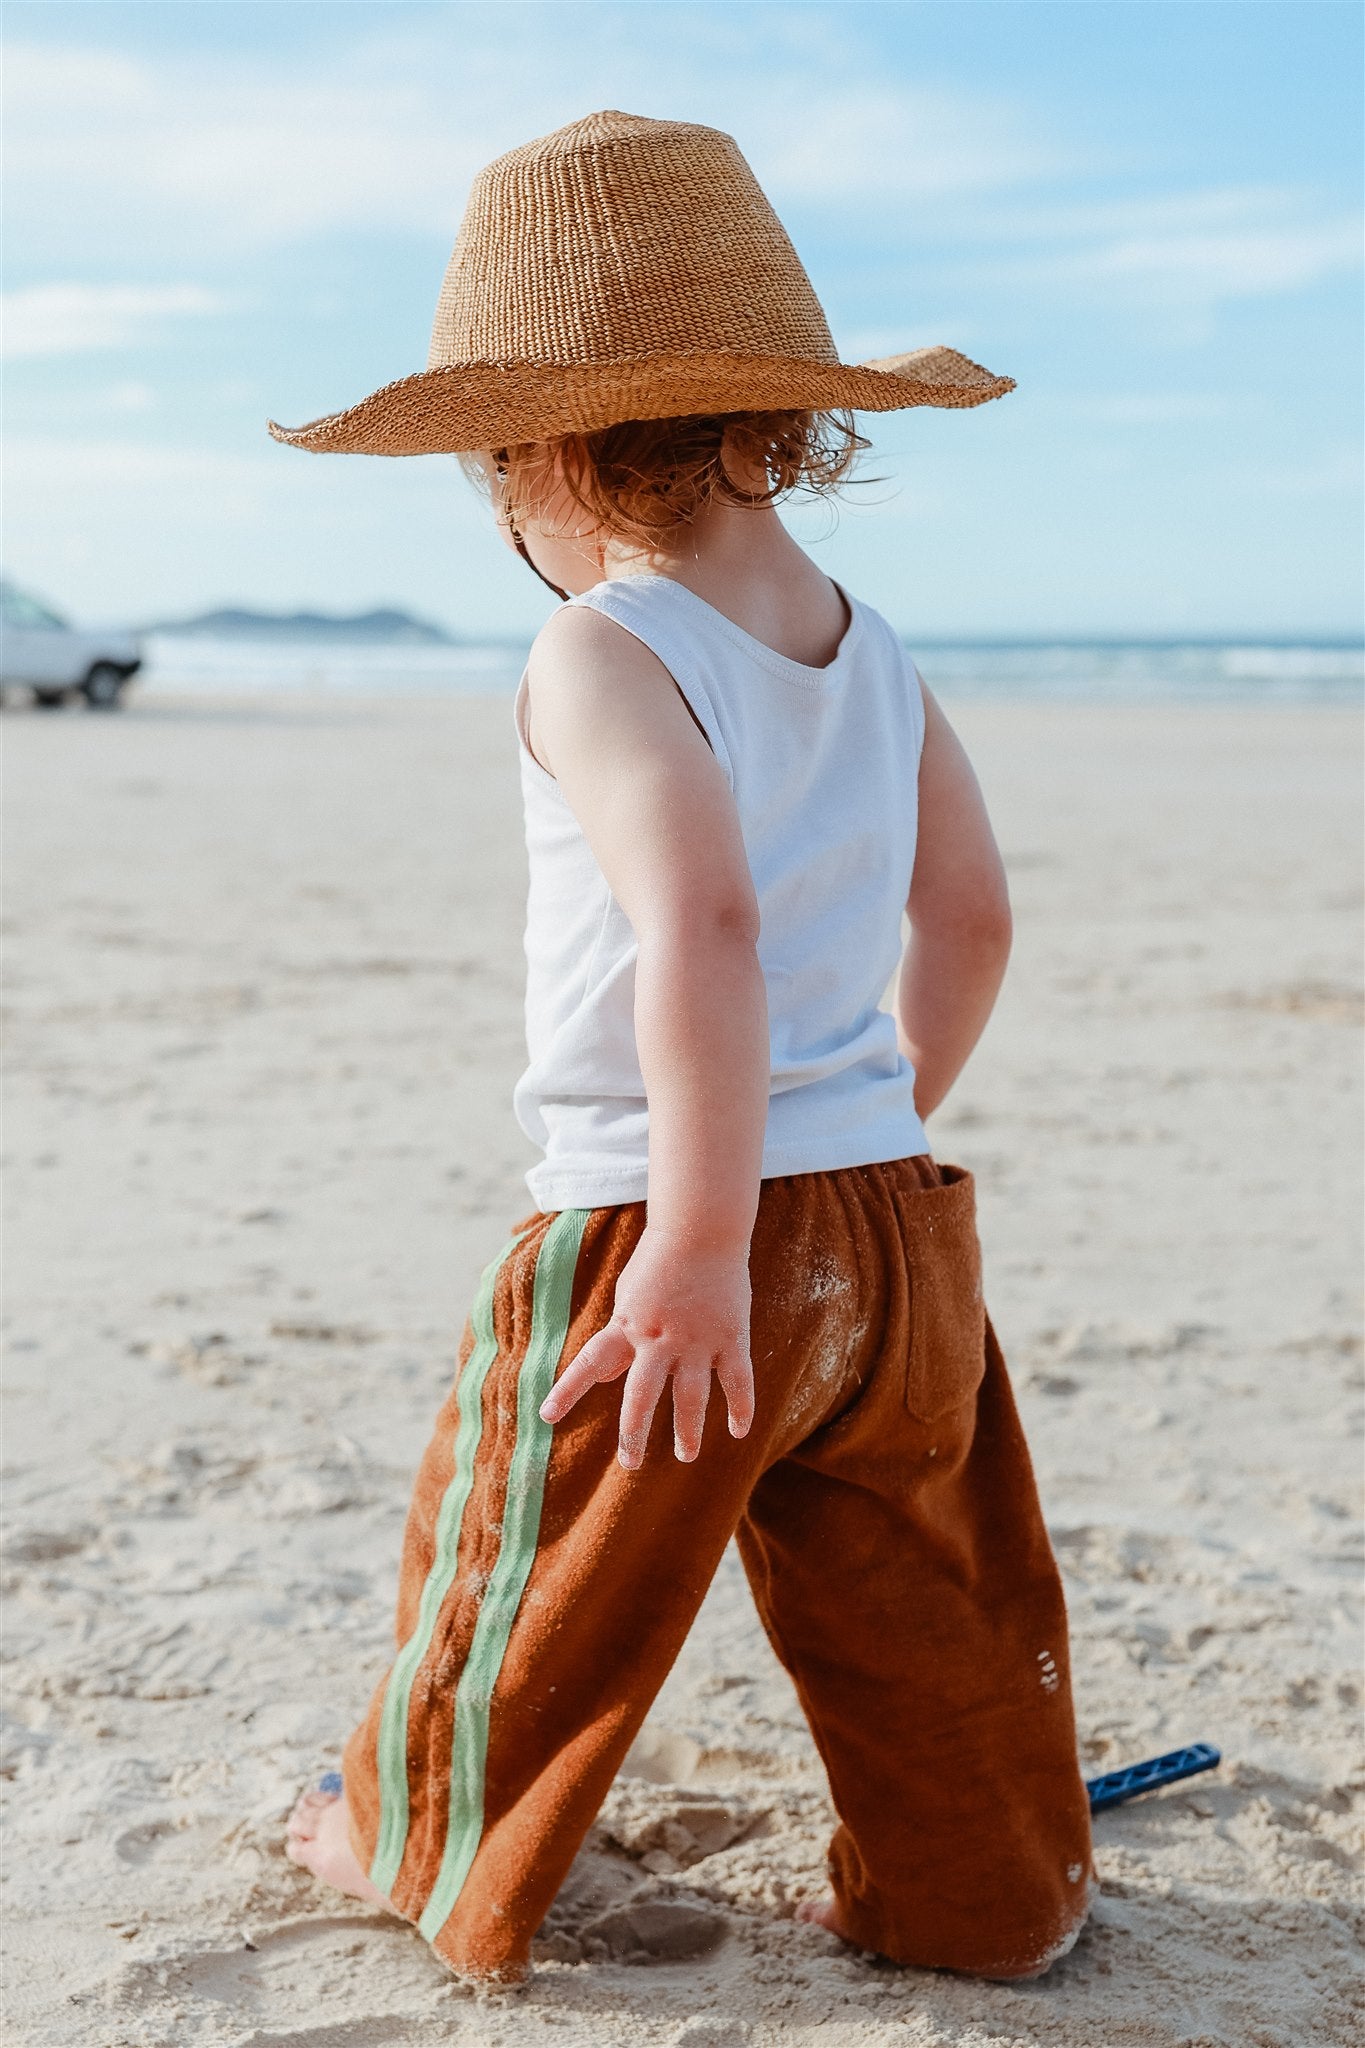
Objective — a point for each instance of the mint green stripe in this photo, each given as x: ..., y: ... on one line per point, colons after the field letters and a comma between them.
x: 392, y: 1746
x: 555, y: 1266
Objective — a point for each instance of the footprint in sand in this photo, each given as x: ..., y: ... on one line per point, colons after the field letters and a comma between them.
x: 179, y: 1841
x: 660, y: 1756
x: 605, y: 1911
x: 339, y: 1982
x: 670, y: 1829
x: 48, y: 1546
x: 709, y: 2033
x: 656, y: 1930
x: 211, y: 1360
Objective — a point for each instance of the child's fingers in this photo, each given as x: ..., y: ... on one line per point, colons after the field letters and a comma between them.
x: 604, y: 1357
x: 644, y: 1383
x: 691, y: 1392
x: 735, y: 1371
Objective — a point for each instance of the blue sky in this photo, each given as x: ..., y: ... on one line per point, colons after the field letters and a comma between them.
x: 1148, y: 214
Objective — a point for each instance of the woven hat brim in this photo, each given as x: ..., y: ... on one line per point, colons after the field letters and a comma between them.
x: 465, y: 406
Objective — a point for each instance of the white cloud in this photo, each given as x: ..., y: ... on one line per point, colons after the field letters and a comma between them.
x: 229, y: 151
x: 1206, y: 208
x: 62, y: 470
x: 386, y: 132
x: 900, y: 140
x: 1147, y: 408
x: 48, y: 461
x: 1335, y: 473
x: 382, y: 133
x: 57, y: 80
x: 131, y: 394
x: 71, y: 319
x: 1195, y: 249
x: 1252, y: 262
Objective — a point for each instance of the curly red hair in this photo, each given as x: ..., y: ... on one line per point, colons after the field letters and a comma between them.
x: 642, y: 480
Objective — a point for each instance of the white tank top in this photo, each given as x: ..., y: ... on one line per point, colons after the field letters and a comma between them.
x: 823, y: 764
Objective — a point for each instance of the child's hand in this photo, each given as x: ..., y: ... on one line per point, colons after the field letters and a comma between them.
x: 679, y: 1313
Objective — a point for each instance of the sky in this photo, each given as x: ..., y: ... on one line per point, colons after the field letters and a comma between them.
x: 1148, y: 214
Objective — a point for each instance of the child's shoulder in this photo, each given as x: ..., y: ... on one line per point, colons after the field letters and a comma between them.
x: 585, y: 632
x: 588, y: 672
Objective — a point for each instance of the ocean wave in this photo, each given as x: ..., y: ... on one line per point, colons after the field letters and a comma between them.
x: 1097, y: 670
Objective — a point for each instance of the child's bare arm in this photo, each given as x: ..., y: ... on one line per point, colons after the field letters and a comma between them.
x: 959, y: 911
x: 608, y: 721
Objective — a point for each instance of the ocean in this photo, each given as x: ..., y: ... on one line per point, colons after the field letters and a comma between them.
x: 1097, y: 671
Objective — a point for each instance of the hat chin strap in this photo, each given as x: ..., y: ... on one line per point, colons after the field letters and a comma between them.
x: 525, y: 554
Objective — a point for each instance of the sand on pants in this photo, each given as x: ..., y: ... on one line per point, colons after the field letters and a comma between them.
x: 264, y: 969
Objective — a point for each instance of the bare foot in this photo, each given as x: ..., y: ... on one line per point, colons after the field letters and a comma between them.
x: 825, y: 1913
x: 317, y: 1837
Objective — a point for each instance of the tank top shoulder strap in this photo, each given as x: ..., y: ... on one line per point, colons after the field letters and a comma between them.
x: 648, y: 607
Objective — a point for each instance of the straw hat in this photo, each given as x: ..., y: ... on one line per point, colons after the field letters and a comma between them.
x: 623, y: 268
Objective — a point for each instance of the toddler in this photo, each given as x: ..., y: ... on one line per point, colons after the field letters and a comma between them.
x: 735, y: 782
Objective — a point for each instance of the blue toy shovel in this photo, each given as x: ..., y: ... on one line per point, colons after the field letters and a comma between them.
x: 1116, y: 1786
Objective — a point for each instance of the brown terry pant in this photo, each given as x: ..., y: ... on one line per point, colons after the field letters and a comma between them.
x: 886, y: 1514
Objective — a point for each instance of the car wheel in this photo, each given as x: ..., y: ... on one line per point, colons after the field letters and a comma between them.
x: 49, y: 700
x: 103, y: 687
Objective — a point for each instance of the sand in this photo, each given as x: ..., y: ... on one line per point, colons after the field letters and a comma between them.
x: 264, y: 975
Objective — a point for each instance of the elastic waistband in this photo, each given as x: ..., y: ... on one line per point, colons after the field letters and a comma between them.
x: 917, y: 1173
x: 917, y: 1169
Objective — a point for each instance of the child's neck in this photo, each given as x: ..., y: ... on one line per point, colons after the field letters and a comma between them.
x: 745, y: 563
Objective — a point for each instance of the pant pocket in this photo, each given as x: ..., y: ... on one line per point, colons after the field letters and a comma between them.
x: 947, y: 1310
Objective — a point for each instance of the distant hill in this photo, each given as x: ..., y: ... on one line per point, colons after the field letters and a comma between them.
x: 388, y: 627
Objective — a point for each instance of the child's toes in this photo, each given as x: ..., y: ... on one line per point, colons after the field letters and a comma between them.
x: 303, y: 1822
x: 823, y: 1913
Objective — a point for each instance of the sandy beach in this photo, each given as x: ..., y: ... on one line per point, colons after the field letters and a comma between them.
x: 264, y: 978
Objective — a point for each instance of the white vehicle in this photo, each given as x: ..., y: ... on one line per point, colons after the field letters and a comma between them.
x: 40, y: 651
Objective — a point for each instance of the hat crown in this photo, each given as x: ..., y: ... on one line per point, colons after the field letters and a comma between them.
x: 617, y: 239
